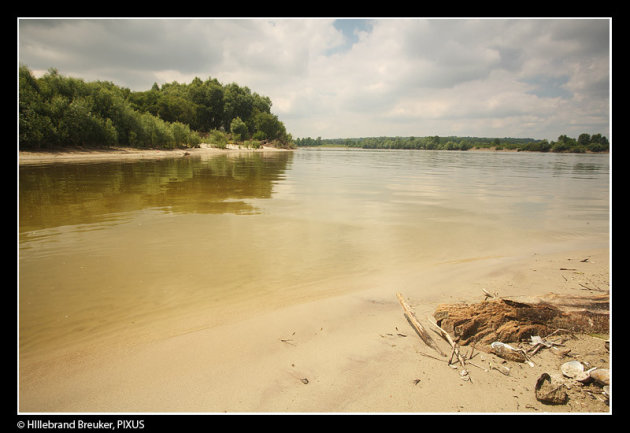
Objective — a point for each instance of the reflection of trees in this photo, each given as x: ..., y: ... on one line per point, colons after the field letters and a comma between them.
x: 63, y: 194
x: 221, y: 185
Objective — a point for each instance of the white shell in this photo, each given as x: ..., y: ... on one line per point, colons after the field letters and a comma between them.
x: 601, y: 376
x: 572, y: 368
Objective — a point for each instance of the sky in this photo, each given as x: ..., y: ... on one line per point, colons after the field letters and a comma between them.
x: 364, y: 77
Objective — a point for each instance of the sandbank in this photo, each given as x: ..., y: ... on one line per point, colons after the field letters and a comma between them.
x: 128, y: 153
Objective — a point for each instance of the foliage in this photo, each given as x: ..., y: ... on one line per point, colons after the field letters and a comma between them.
x: 584, y: 143
x: 217, y: 138
x: 239, y: 129
x: 209, y: 106
x: 57, y: 111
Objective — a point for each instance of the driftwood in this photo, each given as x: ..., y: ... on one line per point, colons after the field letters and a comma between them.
x: 450, y: 341
x: 488, y: 294
x: 500, y: 319
x: 411, y: 317
x: 538, y: 343
x: 592, y: 304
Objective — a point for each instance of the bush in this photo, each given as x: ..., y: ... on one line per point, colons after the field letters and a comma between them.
x: 218, y: 139
x: 181, y: 133
x: 239, y: 129
x: 259, y: 135
x: 253, y: 144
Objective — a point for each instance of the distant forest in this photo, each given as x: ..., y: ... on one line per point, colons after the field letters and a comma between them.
x: 58, y: 112
x: 584, y: 143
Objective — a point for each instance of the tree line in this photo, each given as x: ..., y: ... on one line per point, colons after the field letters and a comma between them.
x: 584, y: 143
x: 57, y: 111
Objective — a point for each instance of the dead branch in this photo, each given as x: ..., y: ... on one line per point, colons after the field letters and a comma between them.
x: 536, y: 349
x: 472, y: 349
x: 501, y: 369
x: 488, y: 294
x: 411, y: 317
x: 432, y: 357
x: 478, y: 366
x: 450, y: 341
x: 450, y: 359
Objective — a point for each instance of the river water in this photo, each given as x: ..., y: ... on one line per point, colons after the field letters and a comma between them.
x: 135, y: 249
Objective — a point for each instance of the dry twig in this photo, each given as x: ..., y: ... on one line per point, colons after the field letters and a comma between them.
x: 488, y: 294
x: 450, y: 341
x: 411, y: 317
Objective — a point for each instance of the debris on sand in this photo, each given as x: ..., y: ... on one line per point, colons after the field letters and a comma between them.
x: 507, y: 321
x: 550, y: 393
x: 516, y: 331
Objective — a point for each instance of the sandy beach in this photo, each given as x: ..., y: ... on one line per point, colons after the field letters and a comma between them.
x: 350, y: 353
x: 127, y: 153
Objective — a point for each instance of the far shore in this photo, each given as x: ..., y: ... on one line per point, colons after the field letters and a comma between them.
x: 472, y: 149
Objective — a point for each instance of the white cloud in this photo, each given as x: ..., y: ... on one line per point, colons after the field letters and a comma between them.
x: 535, y: 78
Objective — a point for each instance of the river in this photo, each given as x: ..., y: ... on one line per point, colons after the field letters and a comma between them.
x: 135, y: 250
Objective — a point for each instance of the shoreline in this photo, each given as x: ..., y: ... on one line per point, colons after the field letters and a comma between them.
x: 350, y: 353
x: 472, y: 149
x: 129, y: 153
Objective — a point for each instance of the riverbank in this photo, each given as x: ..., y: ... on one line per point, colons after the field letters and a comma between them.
x: 354, y: 353
x: 497, y: 149
x: 128, y: 153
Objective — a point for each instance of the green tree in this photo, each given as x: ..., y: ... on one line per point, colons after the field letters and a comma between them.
x: 584, y: 140
x: 146, y: 102
x: 208, y: 97
x: 261, y: 104
x: 564, y: 144
x: 599, y: 143
x: 239, y: 129
x: 268, y: 126
x: 432, y: 142
x: 239, y: 102
x: 174, y: 108
x: 36, y: 129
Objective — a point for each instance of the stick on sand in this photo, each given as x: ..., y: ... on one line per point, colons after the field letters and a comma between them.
x: 411, y: 317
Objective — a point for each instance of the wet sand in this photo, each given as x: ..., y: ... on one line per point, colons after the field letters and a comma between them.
x: 354, y: 353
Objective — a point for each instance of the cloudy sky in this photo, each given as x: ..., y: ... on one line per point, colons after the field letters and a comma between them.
x: 536, y: 78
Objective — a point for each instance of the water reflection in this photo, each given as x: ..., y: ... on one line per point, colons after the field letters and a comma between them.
x: 585, y: 169
x: 113, y: 249
x: 54, y: 195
